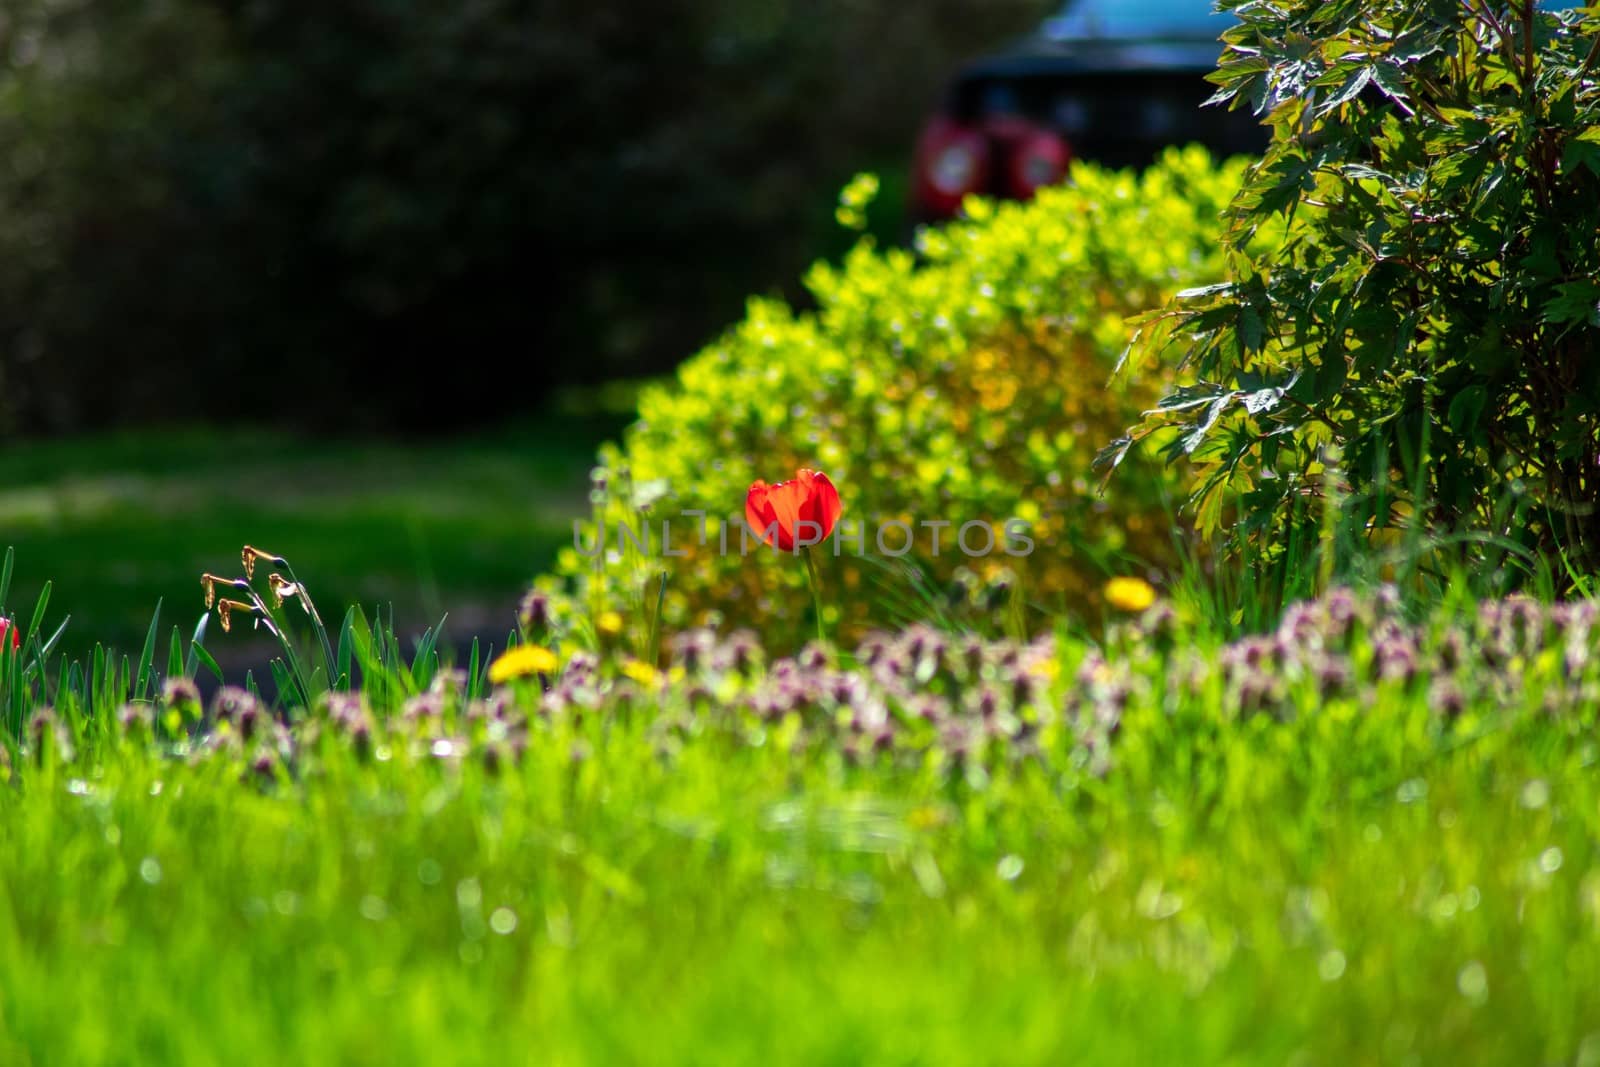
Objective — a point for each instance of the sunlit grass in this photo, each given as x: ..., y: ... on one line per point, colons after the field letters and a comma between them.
x: 682, y: 876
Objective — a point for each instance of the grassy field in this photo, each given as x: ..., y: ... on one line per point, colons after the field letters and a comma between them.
x: 118, y: 522
x: 1345, y: 842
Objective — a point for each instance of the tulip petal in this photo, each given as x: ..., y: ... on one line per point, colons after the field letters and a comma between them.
x: 758, y: 513
x: 787, y: 499
x: 828, y: 507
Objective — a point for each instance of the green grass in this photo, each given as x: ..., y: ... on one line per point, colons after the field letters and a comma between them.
x: 1361, y: 879
x: 118, y: 522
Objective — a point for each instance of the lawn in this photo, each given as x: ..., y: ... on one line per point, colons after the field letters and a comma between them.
x: 1118, y: 863
x: 119, y: 522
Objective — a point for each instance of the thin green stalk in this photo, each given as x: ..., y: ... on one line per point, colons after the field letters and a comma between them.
x: 816, y: 593
x: 653, y: 642
x: 316, y: 624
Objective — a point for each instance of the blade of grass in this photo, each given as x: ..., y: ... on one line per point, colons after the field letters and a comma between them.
x: 64, y: 693
x: 147, y: 656
x: 283, y: 676
x: 316, y: 617
x: 175, y: 655
x: 364, y: 654
x: 346, y: 647
x: 422, y: 668
x: 199, y: 657
x: 97, y: 673
x: 49, y: 647
x: 302, y: 690
x: 653, y: 642
x: 473, y: 690
x: 121, y: 683
x: 196, y: 640
x: 74, y: 687
x: 5, y: 576
x: 38, y: 665
x: 38, y: 613
x: 15, y: 689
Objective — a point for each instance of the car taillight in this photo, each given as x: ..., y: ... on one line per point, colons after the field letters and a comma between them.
x: 1037, y: 160
x: 952, y: 162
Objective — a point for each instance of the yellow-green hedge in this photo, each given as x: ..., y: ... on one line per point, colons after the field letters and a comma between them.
x: 967, y: 383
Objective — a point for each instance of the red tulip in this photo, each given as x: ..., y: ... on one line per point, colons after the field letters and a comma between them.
x: 6, y: 626
x: 793, y: 514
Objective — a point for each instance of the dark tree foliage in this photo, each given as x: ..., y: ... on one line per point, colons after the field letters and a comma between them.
x: 1412, y: 318
x: 415, y: 213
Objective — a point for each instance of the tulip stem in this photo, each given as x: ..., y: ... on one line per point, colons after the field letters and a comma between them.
x: 816, y: 593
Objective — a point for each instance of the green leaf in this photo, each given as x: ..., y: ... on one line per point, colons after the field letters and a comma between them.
x: 1251, y: 330
x: 1264, y: 400
x: 1391, y: 82
x: 1582, y: 151
x: 1196, y: 437
x: 1576, y: 302
x: 1352, y: 88
x: 1205, y: 291
x: 1467, y: 408
x: 1109, y: 458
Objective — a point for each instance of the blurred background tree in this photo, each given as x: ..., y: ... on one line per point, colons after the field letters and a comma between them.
x: 418, y: 214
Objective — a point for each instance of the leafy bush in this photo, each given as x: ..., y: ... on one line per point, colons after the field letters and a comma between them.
x: 967, y: 386
x: 1423, y: 347
x: 338, y: 194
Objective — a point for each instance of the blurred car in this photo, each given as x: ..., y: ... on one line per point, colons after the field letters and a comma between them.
x: 1113, y: 81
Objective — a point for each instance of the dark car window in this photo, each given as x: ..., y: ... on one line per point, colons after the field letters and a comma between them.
x: 1137, y: 18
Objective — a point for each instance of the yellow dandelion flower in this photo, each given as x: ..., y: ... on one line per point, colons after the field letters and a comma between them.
x: 1130, y: 594
x: 640, y: 672
x: 609, y: 623
x: 522, y: 661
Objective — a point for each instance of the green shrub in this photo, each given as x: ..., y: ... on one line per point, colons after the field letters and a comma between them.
x: 968, y: 386
x: 1434, y: 312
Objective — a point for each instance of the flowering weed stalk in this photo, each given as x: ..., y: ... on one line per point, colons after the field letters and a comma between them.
x: 309, y: 684
x: 293, y: 588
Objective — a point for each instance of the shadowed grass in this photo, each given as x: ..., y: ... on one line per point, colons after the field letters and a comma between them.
x: 121, y: 521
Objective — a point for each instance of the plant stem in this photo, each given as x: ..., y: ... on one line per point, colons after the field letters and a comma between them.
x: 316, y: 624
x: 816, y: 593
x: 653, y: 642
